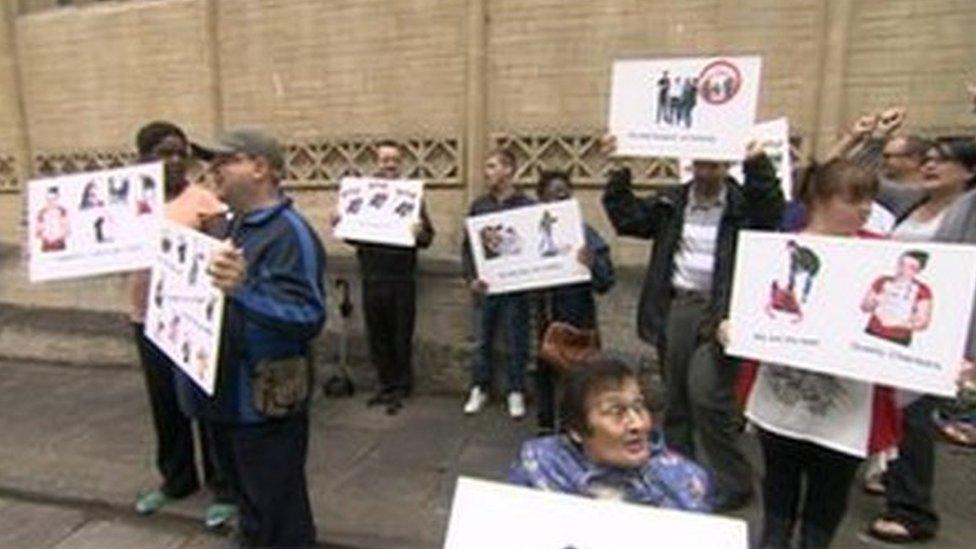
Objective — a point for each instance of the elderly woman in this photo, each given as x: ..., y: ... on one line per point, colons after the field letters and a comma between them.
x: 609, y: 449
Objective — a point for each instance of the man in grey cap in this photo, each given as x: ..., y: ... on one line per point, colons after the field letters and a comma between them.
x: 264, y: 377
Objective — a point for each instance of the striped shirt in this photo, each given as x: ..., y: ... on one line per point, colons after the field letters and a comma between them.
x: 694, y: 260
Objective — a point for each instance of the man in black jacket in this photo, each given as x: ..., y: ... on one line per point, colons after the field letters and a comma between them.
x: 390, y: 296
x: 686, y: 293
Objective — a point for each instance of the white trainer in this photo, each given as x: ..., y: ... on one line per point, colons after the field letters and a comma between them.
x: 516, y: 405
x: 476, y: 401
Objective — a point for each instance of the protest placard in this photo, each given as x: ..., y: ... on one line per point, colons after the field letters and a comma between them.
x: 185, y: 310
x: 93, y: 223
x: 530, y: 247
x: 382, y: 211
x: 488, y: 515
x: 774, y: 137
x: 701, y: 107
x: 881, y: 311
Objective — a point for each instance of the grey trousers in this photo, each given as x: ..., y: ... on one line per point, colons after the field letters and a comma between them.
x: 699, y: 380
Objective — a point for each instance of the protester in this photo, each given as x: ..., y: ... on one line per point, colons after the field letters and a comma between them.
x: 610, y: 449
x: 572, y: 304
x: 390, y: 296
x: 948, y: 171
x: 873, y: 142
x: 814, y: 429
x: 686, y: 292
x: 273, y: 276
x: 509, y: 311
x: 196, y: 207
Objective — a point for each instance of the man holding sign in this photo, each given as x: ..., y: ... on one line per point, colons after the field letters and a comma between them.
x: 390, y: 294
x: 685, y: 294
x: 491, y: 311
x: 274, y: 310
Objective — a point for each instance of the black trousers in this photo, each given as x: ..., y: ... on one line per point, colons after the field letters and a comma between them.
x: 174, y: 430
x: 389, y: 307
x: 910, y: 478
x: 270, y: 471
x: 828, y: 476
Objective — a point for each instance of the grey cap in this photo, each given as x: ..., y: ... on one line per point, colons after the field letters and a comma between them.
x: 247, y: 141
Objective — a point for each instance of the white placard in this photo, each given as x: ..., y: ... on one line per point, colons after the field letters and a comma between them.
x: 383, y: 211
x: 774, y: 136
x: 489, y: 515
x: 701, y: 107
x: 93, y: 223
x: 855, y: 308
x: 528, y: 248
x: 186, y: 311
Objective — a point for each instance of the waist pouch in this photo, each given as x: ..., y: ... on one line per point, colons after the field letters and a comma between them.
x: 281, y: 386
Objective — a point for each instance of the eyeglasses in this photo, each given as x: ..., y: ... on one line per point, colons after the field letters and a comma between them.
x: 619, y: 411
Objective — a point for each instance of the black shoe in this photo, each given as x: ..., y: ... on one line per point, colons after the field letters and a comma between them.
x: 733, y: 502
x: 393, y: 406
x: 382, y: 397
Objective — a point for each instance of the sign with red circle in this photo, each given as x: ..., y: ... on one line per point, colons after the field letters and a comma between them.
x: 719, y: 82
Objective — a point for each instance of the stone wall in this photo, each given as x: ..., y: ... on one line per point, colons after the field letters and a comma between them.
x: 448, y: 79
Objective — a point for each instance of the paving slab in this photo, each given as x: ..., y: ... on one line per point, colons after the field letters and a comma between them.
x: 84, y: 435
x: 104, y: 534
x: 34, y: 525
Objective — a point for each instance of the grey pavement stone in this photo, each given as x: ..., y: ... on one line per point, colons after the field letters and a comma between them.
x: 375, y: 480
x: 105, y: 534
x: 33, y: 525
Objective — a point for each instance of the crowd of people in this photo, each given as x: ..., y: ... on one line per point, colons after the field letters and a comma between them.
x: 597, y: 435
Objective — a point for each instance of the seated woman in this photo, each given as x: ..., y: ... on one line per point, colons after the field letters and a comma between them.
x: 609, y: 449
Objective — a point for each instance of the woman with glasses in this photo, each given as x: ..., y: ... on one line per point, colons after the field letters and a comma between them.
x: 611, y: 449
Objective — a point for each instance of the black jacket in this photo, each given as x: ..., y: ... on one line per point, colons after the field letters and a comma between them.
x: 758, y: 204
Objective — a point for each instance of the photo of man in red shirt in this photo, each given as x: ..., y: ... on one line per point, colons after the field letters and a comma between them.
x: 901, y: 304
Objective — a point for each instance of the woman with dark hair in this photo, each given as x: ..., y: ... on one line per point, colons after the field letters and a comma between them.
x: 815, y: 429
x: 196, y: 207
x: 573, y: 304
x: 610, y: 449
x: 948, y: 171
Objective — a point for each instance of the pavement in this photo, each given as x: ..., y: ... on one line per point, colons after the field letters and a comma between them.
x: 76, y: 447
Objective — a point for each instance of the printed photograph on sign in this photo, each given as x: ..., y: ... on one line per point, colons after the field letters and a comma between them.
x: 863, y: 309
x: 185, y: 311
x: 93, y: 223
x: 530, y: 247
x: 382, y: 211
x: 684, y: 107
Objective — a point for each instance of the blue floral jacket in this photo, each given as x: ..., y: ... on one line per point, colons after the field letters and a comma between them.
x: 667, y: 480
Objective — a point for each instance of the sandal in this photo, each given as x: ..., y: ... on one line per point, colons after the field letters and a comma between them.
x: 874, y: 486
x: 892, y: 529
x: 958, y: 432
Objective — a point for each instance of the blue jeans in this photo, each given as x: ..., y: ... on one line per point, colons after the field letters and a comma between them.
x: 510, y: 311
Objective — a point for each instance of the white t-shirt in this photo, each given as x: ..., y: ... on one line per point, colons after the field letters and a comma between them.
x: 826, y: 410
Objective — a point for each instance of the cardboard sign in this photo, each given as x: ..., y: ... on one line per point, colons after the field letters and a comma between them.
x: 774, y: 136
x: 186, y: 311
x: 702, y: 107
x: 489, y: 515
x: 528, y: 248
x: 94, y: 223
x: 881, y: 311
x: 383, y: 211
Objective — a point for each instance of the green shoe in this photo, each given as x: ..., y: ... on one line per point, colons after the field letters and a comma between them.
x: 152, y: 501
x: 219, y: 515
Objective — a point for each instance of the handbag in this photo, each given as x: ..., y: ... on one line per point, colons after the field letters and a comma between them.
x: 564, y: 345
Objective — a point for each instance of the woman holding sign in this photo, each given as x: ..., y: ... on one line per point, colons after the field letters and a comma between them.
x: 815, y: 429
x: 569, y: 308
x: 948, y: 170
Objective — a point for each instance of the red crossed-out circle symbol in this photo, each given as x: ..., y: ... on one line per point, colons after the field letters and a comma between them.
x: 719, y: 82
